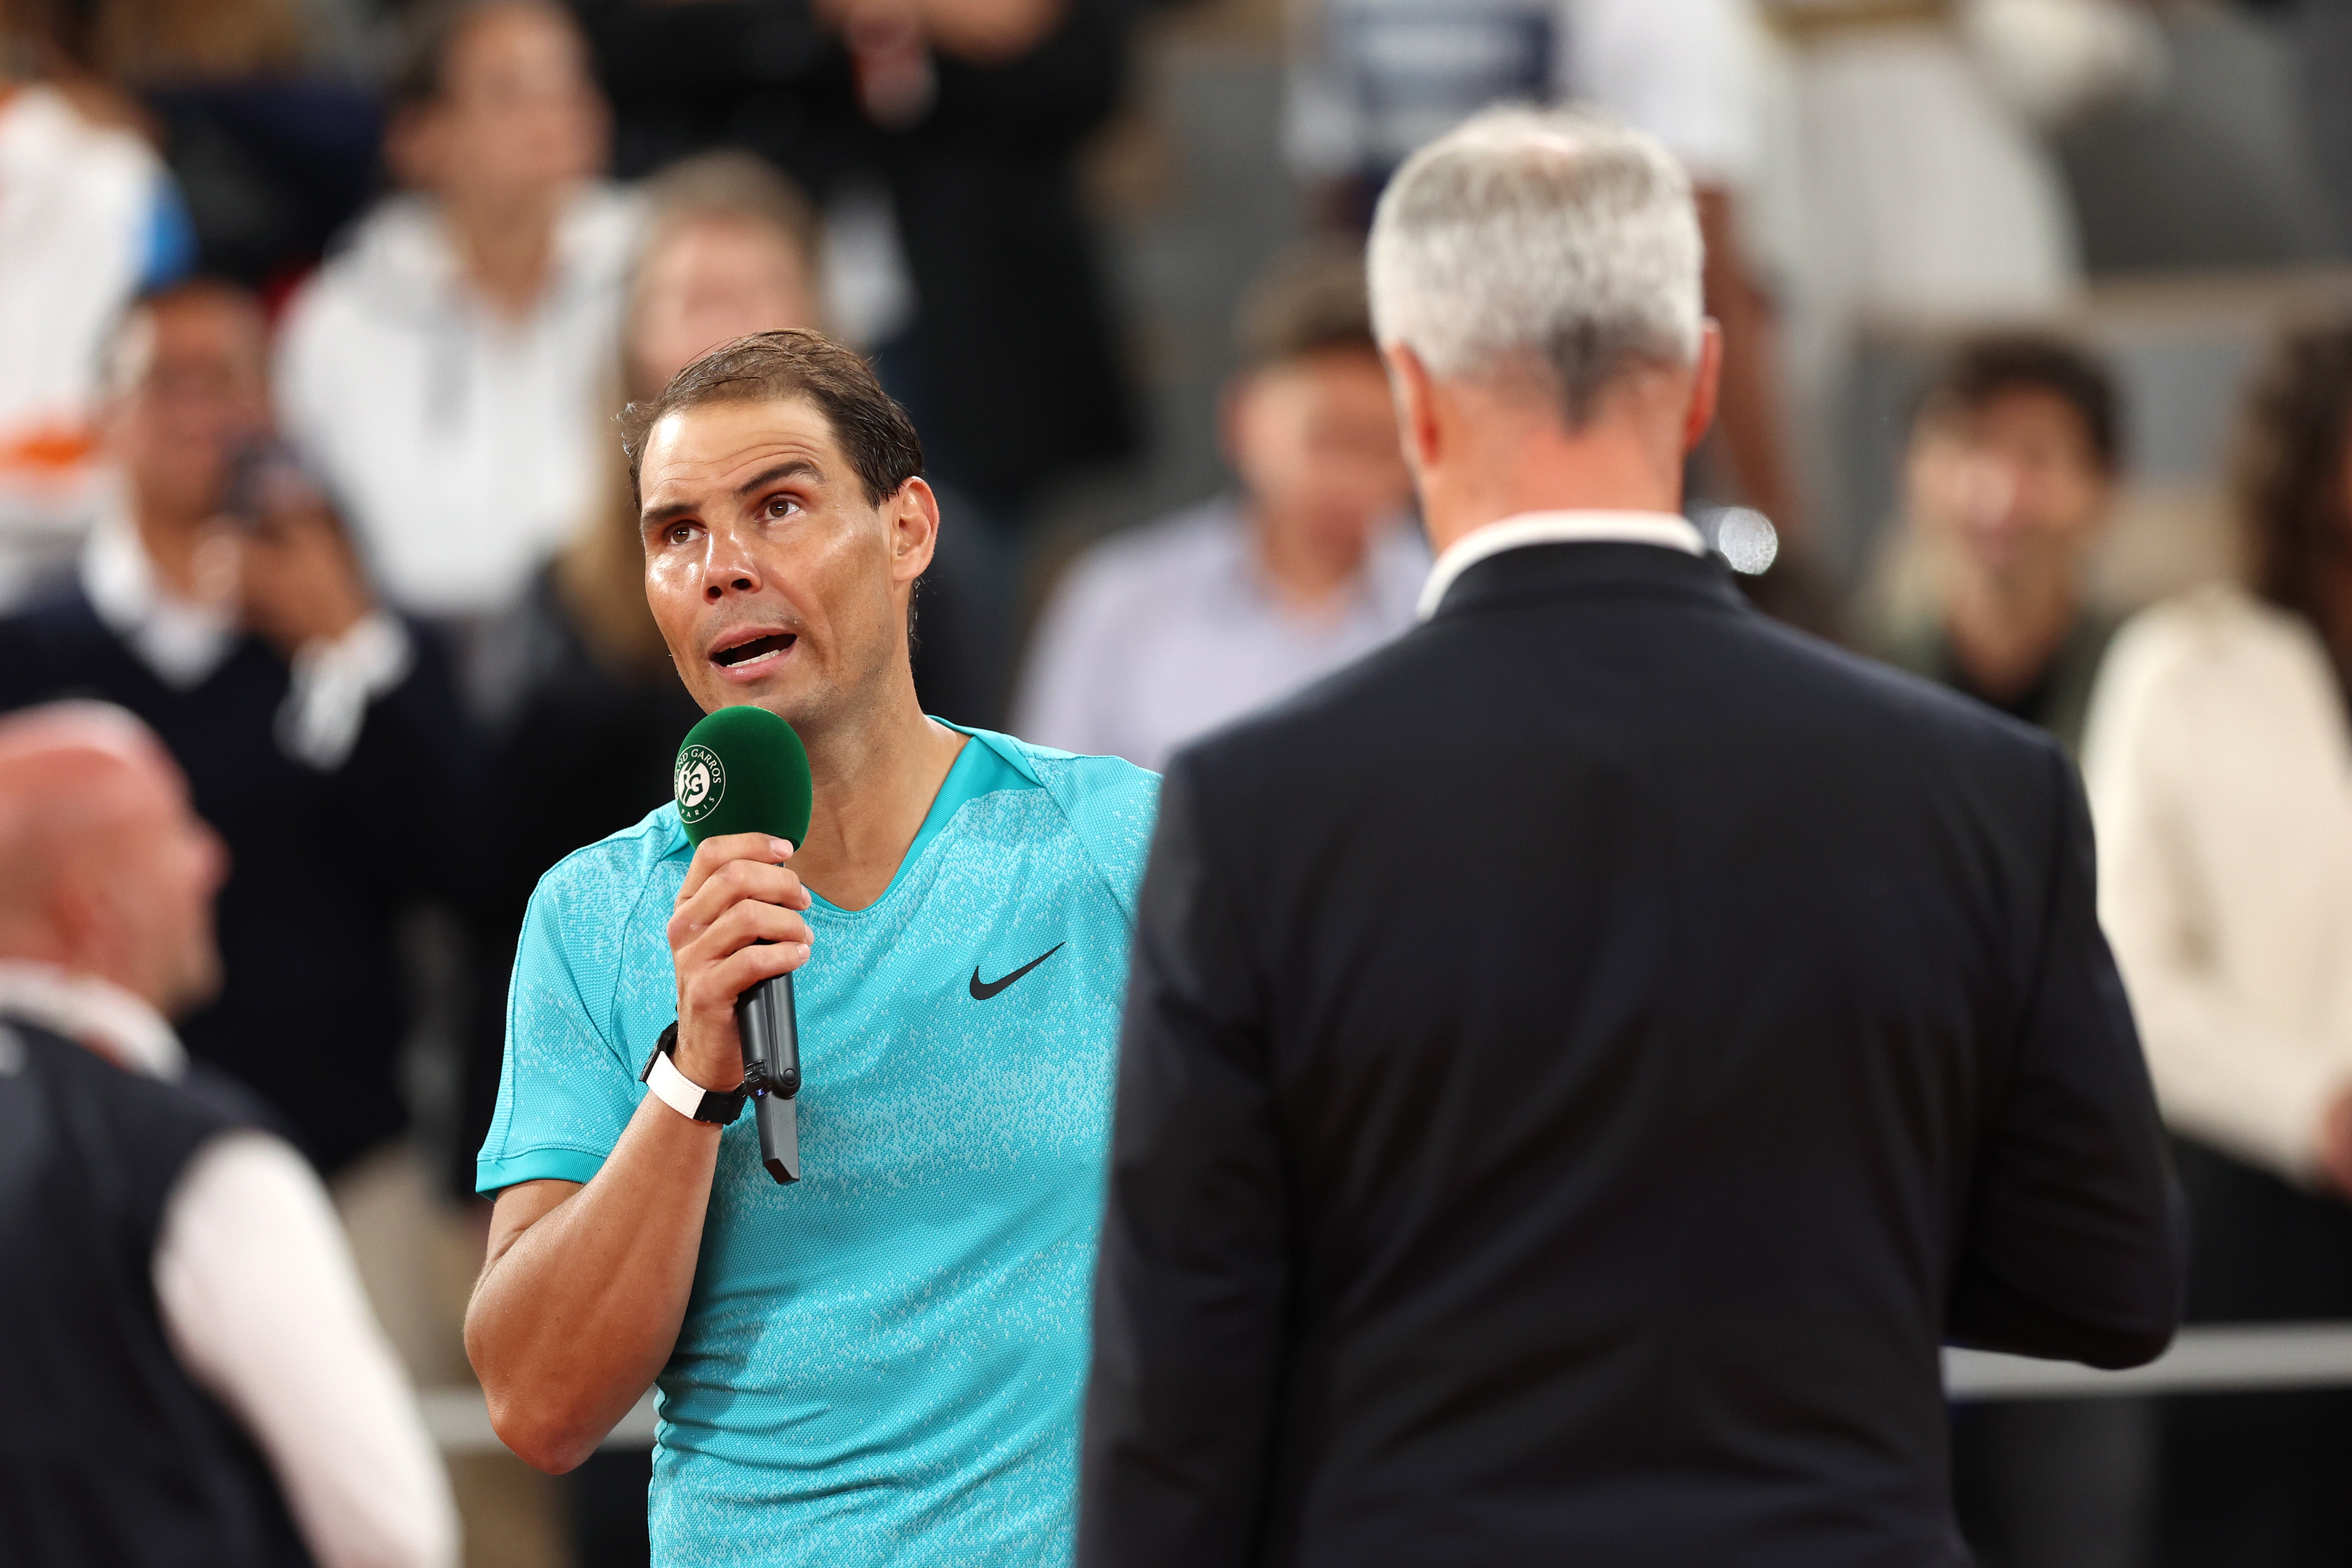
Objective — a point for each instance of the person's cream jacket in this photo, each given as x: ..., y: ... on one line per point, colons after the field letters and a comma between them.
x: 2219, y: 763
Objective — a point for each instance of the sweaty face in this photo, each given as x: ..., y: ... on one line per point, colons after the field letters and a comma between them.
x: 774, y: 579
x: 707, y: 282
x: 200, y: 389
x: 2014, y: 490
x: 519, y: 113
x: 1315, y: 443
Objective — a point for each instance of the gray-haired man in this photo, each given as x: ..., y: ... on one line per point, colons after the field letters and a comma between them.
x: 1581, y: 1061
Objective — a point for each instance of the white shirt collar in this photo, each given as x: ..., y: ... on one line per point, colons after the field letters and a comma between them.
x: 182, y: 641
x: 98, y: 1013
x: 1661, y: 528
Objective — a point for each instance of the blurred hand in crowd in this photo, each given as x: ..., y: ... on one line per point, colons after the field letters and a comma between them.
x: 2010, y: 496
x: 891, y: 44
x: 710, y: 279
x: 510, y: 122
x: 297, y: 580
x: 1313, y: 439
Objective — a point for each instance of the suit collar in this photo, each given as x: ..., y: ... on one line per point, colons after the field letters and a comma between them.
x: 102, y: 1016
x: 1659, y: 529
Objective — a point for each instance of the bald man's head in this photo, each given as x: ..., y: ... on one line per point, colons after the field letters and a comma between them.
x: 105, y: 868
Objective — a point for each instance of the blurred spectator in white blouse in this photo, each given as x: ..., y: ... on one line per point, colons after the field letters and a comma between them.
x: 447, y: 370
x: 1159, y: 634
x: 2219, y: 764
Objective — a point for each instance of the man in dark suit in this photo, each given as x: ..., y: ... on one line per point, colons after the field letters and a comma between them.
x: 1581, y: 1063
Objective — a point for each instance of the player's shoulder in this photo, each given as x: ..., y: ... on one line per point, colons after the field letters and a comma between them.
x: 1108, y: 804
x: 605, y: 878
x: 1076, y: 780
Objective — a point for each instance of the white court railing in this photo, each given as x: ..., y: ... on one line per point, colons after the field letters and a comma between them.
x: 2205, y: 1360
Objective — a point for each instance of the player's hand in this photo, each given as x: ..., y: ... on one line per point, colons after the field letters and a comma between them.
x: 737, y: 922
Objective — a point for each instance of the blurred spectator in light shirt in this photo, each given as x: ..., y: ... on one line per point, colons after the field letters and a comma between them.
x: 89, y: 218
x: 2219, y: 759
x: 2009, y: 482
x: 1159, y: 634
x: 447, y: 370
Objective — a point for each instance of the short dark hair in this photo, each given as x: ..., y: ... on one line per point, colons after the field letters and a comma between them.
x: 1985, y: 368
x: 2295, y: 440
x: 1310, y: 299
x: 873, y: 432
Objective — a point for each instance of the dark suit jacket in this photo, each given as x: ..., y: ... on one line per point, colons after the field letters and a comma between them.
x: 1581, y: 1064
x: 312, y: 1008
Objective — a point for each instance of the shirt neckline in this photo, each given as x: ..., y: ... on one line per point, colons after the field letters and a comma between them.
x: 980, y: 768
x: 1668, y: 531
x: 181, y: 642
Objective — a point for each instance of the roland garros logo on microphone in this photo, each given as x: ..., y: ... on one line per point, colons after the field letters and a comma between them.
x: 701, y: 782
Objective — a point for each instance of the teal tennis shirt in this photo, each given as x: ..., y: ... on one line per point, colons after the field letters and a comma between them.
x: 883, y: 1363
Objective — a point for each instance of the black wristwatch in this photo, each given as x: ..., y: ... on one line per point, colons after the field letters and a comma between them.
x: 682, y: 1093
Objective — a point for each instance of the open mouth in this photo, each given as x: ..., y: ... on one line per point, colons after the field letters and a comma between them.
x: 741, y: 656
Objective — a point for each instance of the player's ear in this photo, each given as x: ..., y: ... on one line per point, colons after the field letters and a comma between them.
x: 913, y: 517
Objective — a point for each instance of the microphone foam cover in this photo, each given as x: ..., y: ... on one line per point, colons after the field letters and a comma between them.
x: 742, y: 770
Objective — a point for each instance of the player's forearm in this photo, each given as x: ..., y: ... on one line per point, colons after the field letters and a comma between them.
x: 574, y: 1319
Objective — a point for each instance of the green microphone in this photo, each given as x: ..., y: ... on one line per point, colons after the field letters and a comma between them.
x: 742, y: 770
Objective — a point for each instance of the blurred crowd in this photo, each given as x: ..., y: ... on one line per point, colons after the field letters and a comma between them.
x: 315, y: 319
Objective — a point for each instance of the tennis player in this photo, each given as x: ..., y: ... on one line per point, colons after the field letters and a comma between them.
x: 881, y: 1364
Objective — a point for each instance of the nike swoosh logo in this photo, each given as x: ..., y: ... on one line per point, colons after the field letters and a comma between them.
x: 984, y: 989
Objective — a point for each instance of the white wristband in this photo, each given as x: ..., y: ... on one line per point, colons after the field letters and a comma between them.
x: 675, y: 1090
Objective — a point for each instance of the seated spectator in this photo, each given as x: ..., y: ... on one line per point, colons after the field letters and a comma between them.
x: 319, y: 733
x: 2216, y: 761
x: 1158, y: 635
x: 2008, y: 483
x: 2007, y: 486
x: 88, y: 217
x: 188, y: 1371
x: 446, y: 371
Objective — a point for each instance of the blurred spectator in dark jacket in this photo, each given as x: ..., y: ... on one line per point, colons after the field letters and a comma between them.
x: 2008, y: 485
x: 446, y: 370
x: 257, y: 108
x: 1159, y: 634
x: 965, y: 119
x: 317, y: 732
x: 2216, y: 761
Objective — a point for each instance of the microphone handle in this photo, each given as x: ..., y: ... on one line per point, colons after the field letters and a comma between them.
x: 771, y: 1034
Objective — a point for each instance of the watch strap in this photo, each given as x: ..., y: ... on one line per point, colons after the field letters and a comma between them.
x: 683, y: 1094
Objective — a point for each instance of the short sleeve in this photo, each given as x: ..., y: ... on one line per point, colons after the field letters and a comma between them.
x: 566, y: 1091
x: 1112, y: 806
